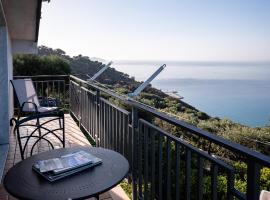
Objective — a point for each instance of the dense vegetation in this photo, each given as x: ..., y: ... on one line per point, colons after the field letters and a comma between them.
x: 255, y: 138
x: 26, y: 65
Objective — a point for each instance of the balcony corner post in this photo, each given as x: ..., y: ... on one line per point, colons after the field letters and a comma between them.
x: 134, y: 151
x: 97, y: 135
x: 253, y: 180
x: 68, y: 86
x: 80, y: 105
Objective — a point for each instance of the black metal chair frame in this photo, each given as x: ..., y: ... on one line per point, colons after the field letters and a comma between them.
x: 37, y: 115
x: 38, y: 127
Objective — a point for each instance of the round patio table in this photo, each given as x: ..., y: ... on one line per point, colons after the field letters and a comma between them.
x: 22, y: 182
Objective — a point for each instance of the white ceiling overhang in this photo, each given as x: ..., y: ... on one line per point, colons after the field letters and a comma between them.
x: 22, y: 20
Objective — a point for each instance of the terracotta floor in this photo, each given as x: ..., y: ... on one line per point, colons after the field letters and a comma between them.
x: 74, y: 137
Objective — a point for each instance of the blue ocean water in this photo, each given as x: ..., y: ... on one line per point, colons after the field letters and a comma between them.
x: 244, y: 101
x: 237, y: 91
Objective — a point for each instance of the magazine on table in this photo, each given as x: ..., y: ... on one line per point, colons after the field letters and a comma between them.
x: 57, y: 168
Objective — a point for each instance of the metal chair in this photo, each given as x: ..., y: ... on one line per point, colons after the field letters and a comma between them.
x: 29, y: 103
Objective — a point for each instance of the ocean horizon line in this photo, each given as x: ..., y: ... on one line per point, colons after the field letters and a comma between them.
x: 214, y: 79
x: 192, y: 63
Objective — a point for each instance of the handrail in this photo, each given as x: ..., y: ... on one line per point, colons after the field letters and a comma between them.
x: 196, y: 150
x: 42, y: 76
x: 96, y: 87
x: 244, y: 151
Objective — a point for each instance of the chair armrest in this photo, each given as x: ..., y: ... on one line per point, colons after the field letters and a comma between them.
x: 27, y: 102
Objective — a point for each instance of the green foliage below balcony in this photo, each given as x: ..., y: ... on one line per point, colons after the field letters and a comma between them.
x: 31, y: 65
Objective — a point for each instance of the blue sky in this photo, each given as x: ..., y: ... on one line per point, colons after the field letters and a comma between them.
x: 190, y: 30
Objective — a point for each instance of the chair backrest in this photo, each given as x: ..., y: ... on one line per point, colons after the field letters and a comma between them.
x: 25, y: 92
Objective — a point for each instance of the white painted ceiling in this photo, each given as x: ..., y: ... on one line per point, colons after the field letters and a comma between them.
x: 21, y: 18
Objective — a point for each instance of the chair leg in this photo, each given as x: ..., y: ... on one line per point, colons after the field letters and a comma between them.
x: 17, y: 132
x: 38, y: 124
x: 63, y: 127
x: 60, y: 122
x: 18, y: 118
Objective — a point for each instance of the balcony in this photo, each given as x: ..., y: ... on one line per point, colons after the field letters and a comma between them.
x: 163, y: 166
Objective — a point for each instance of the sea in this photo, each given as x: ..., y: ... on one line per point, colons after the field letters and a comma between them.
x: 239, y: 91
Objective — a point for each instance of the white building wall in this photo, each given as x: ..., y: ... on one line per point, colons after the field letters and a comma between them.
x: 6, y: 93
x: 10, y: 77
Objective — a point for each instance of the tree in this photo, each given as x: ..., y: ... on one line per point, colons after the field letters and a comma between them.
x: 30, y: 65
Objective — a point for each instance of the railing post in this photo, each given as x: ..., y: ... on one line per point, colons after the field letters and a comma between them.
x: 134, y: 151
x: 97, y: 134
x: 69, y: 94
x: 230, y: 184
x: 80, y: 104
x: 68, y: 91
x: 253, y: 180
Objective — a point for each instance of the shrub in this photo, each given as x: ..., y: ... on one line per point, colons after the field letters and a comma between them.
x: 30, y: 65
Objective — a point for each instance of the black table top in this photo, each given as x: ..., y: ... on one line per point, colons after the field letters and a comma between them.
x: 24, y: 183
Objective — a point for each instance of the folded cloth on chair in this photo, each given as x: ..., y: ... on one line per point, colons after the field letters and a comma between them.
x: 265, y: 195
x: 46, y: 109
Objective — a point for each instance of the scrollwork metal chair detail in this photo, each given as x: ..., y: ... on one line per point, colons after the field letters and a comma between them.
x: 40, y: 132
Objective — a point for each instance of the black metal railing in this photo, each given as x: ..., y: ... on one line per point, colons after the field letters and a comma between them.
x: 52, y: 90
x: 162, y: 166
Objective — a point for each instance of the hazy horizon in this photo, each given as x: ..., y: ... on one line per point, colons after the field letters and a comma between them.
x: 206, y: 70
x: 191, y: 62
